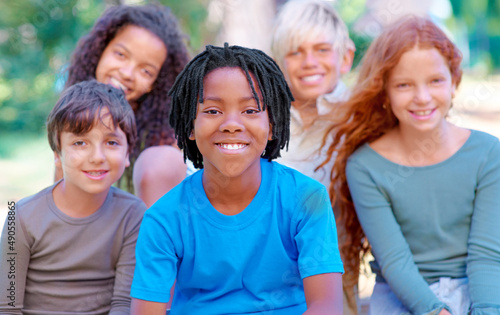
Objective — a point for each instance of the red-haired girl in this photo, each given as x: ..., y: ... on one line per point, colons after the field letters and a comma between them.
x: 419, y: 191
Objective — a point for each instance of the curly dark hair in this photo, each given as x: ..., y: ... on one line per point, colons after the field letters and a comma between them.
x: 187, y: 92
x: 152, y: 111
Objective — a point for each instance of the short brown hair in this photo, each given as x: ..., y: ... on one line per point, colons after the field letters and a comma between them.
x: 78, y: 111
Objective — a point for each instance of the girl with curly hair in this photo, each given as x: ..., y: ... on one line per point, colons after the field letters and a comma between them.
x: 141, y: 50
x: 418, y: 191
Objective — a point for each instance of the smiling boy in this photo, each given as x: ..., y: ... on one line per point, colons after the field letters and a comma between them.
x: 311, y: 44
x: 75, y: 240
x: 244, y: 235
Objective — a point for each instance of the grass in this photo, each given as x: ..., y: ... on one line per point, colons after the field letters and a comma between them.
x: 26, y: 166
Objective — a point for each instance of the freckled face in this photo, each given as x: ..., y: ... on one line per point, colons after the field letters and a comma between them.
x: 93, y: 161
x: 420, y: 89
x: 132, y: 61
x: 230, y: 130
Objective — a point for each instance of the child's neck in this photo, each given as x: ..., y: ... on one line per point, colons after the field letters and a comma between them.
x: 231, y: 196
x: 77, y: 205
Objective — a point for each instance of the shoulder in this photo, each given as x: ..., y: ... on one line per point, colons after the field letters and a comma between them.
x: 484, y: 148
x: 177, y: 198
x: 290, y: 182
x: 364, y: 154
x: 484, y: 140
x: 125, y: 200
x: 36, y: 202
x: 156, y: 161
x: 159, y: 153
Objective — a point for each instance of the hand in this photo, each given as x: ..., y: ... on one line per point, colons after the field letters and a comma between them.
x: 444, y: 312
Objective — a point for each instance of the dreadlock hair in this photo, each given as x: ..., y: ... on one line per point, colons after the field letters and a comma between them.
x: 366, y: 116
x: 187, y: 92
x: 152, y: 109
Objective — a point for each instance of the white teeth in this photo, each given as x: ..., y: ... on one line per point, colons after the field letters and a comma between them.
x: 95, y: 173
x: 118, y: 84
x: 232, y: 146
x: 312, y: 78
x: 423, y: 112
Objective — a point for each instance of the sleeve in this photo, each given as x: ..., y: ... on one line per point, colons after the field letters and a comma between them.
x: 389, y: 245
x: 120, y: 302
x: 15, y: 257
x: 316, y: 235
x: 156, y: 260
x: 483, y: 261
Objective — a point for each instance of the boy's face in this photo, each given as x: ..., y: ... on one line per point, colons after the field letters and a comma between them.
x: 93, y: 161
x: 230, y: 131
x: 314, y: 69
x: 132, y: 61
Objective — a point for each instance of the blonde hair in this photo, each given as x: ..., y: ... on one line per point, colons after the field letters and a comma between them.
x: 298, y: 20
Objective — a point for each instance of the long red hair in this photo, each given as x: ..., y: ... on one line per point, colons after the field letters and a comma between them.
x: 365, y: 117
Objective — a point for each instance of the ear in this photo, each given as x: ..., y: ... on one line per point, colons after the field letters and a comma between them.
x: 57, y: 160
x: 127, y: 161
x: 270, y: 135
x: 346, y: 62
x: 453, y: 89
x: 191, y: 135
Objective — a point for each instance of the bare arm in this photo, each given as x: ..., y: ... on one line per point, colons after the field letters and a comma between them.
x: 157, y: 170
x: 324, y: 294
x: 141, y: 307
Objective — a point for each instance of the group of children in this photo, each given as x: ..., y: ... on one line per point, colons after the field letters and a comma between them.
x: 382, y: 167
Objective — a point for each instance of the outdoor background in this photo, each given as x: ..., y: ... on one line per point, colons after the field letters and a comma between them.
x: 38, y: 36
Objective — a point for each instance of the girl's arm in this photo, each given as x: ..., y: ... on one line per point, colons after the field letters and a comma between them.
x: 324, y: 294
x: 389, y: 245
x: 141, y: 307
x: 483, y: 261
x: 157, y: 170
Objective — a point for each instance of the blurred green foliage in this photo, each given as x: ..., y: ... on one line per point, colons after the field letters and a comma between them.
x: 481, y: 21
x: 37, y: 38
x: 350, y: 13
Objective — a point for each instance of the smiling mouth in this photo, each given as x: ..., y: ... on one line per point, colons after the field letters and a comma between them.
x: 114, y: 82
x: 96, y: 173
x: 232, y: 146
x: 312, y: 78
x: 422, y: 112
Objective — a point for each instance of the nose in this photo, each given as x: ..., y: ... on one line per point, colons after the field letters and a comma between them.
x: 231, y: 123
x: 310, y: 60
x: 97, y: 155
x: 127, y: 71
x: 423, y: 95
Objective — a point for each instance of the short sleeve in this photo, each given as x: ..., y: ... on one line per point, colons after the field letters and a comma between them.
x: 156, y: 260
x: 316, y: 235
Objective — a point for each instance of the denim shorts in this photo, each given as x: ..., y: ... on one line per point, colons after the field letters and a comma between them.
x: 452, y: 292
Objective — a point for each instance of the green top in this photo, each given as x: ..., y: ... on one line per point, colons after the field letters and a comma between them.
x: 441, y: 220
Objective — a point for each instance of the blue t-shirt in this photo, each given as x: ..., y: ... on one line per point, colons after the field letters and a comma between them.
x: 246, y: 263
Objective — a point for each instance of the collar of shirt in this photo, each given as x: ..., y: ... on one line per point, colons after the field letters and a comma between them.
x: 324, y: 102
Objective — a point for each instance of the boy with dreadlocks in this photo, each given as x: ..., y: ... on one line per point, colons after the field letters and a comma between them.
x: 244, y: 235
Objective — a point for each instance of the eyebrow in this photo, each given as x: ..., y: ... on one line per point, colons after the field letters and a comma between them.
x: 128, y: 51
x: 113, y: 134
x: 218, y: 99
